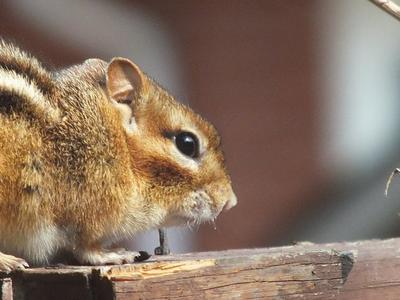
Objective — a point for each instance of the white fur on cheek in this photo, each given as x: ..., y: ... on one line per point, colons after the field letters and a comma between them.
x: 128, y: 121
x: 132, y: 126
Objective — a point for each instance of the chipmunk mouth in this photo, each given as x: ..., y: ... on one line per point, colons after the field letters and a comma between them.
x: 198, y: 208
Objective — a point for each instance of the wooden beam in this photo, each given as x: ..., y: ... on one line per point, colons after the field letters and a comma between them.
x: 357, y: 270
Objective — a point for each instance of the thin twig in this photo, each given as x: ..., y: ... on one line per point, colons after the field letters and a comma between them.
x: 394, y: 173
x: 388, y: 6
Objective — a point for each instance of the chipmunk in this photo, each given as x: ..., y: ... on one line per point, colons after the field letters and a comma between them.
x: 95, y: 153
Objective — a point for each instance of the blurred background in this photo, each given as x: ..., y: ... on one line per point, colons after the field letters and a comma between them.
x: 306, y: 96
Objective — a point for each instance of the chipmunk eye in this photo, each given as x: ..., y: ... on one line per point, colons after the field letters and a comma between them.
x: 187, y: 143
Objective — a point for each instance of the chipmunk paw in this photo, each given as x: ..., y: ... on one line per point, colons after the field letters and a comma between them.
x: 111, y: 257
x: 10, y: 263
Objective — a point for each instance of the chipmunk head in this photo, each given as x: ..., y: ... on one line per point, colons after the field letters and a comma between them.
x: 176, y: 154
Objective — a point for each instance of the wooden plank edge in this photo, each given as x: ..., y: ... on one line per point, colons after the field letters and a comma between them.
x: 286, y: 271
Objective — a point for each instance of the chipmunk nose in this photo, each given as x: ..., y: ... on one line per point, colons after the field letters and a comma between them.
x: 232, y: 201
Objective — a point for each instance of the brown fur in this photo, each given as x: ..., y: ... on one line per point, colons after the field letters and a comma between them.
x: 75, y: 176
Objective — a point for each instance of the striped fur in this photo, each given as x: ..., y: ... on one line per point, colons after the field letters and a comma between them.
x: 28, y: 96
x: 14, y: 59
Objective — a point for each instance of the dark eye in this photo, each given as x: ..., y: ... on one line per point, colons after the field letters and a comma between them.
x: 187, y: 143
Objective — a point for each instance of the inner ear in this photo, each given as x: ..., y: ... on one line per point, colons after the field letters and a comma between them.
x: 124, y: 80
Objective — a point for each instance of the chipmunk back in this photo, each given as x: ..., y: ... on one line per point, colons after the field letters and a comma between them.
x: 96, y: 153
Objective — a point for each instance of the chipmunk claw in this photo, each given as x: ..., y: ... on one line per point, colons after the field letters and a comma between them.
x: 143, y: 255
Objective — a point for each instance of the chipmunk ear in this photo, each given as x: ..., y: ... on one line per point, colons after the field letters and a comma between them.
x: 125, y: 82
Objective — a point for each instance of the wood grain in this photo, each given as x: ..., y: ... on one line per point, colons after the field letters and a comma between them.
x: 356, y: 270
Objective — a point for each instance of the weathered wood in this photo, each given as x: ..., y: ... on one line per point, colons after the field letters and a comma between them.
x: 6, y: 292
x: 236, y: 274
x: 376, y: 272
x: 357, y: 270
